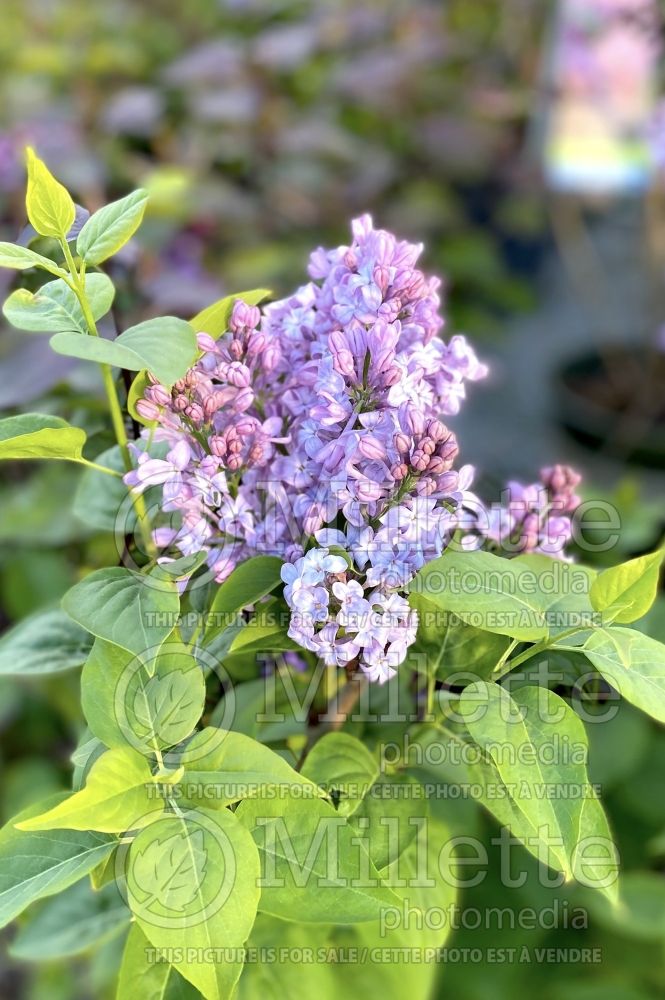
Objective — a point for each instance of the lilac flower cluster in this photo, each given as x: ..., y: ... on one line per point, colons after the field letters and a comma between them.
x: 534, y: 518
x: 313, y: 432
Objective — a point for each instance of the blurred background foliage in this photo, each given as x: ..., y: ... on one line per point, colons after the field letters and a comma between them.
x: 260, y: 128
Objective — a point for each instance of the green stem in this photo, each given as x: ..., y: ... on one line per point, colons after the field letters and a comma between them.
x: 102, y: 468
x: 504, y: 658
x: 502, y: 669
x: 115, y: 409
x: 431, y: 691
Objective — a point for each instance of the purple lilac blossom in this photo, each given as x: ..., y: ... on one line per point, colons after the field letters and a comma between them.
x: 313, y: 432
x: 534, y: 518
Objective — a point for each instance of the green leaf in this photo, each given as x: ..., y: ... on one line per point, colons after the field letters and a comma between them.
x: 165, y: 346
x: 343, y: 767
x: 55, y: 307
x: 626, y: 592
x: 104, y: 873
x: 46, y: 642
x: 390, y: 816
x: 246, y: 585
x: 261, y: 635
x: 267, y: 708
x: 314, y: 867
x: 565, y: 591
x: 214, y: 320
x: 133, y: 611
x: 35, y: 435
x: 192, y: 883
x: 265, y: 631
x: 71, y: 923
x: 50, y: 207
x: 487, y: 592
x: 125, y: 705
x: 111, y: 227
x: 633, y: 663
x: 423, y: 889
x: 222, y: 767
x: 450, y: 646
x: 289, y: 977
x: 149, y: 980
x: 21, y: 258
x: 33, y: 865
x: 119, y: 795
x: 103, y: 501
x: 640, y: 915
x: 538, y: 746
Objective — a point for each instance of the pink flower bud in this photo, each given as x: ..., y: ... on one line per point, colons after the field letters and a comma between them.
x: 238, y: 375
x: 160, y: 395
x: 195, y: 413
x: 382, y: 276
x: 244, y: 427
x: 367, y: 491
x: 210, y: 407
x: 217, y: 446
x: 437, y: 465
x: 271, y: 356
x: 402, y: 443
x: 419, y: 460
x: 256, y: 345
x: 147, y: 410
x: 415, y: 421
x: 437, y: 431
x: 425, y: 486
x: 244, y: 317
x: 206, y: 342
x: 399, y: 471
x: 371, y: 447
x: 255, y: 454
x: 243, y: 400
x: 391, y: 376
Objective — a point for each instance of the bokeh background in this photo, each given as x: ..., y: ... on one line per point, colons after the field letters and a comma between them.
x: 260, y: 128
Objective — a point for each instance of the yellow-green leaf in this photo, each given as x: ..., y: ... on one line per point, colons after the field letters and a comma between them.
x: 214, y: 320
x: 119, y: 795
x: 51, y: 209
x: 626, y: 592
x: 36, y: 435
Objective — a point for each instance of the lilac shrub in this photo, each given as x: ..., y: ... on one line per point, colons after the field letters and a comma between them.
x: 301, y: 451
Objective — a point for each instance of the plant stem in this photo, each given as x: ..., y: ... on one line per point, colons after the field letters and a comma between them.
x: 503, y: 668
x: 102, y: 468
x: 115, y: 410
x: 431, y: 691
x: 342, y: 702
x: 504, y: 658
